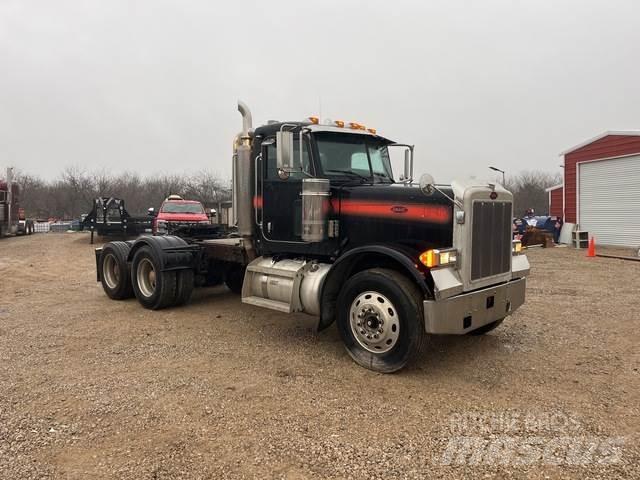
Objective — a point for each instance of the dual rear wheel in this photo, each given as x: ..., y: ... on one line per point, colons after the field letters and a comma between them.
x: 155, y: 288
x: 143, y: 278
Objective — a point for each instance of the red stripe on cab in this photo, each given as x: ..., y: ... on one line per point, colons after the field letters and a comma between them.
x: 415, y: 212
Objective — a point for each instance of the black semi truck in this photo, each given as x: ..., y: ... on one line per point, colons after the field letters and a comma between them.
x: 321, y: 226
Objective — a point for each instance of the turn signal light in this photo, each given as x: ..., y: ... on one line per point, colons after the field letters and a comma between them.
x: 339, y: 123
x: 439, y: 257
x: 314, y: 120
x: 517, y: 247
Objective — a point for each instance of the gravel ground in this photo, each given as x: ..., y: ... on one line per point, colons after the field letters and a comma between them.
x: 94, y: 388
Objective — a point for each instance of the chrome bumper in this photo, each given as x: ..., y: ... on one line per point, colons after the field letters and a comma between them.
x: 463, y: 313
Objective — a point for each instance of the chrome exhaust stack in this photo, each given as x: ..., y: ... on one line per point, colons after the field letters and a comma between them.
x: 243, y: 175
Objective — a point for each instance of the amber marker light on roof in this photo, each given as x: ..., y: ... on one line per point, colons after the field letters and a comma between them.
x: 339, y: 123
x: 314, y: 120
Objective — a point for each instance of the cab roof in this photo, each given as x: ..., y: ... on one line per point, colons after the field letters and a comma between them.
x: 271, y: 129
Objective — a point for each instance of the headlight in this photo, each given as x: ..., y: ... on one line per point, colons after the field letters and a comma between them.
x: 439, y: 257
x: 162, y: 226
x: 517, y: 247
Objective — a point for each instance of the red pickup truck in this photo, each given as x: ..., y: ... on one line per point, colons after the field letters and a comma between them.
x: 175, y: 211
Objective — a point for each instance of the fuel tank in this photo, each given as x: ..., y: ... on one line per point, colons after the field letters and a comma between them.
x: 393, y: 213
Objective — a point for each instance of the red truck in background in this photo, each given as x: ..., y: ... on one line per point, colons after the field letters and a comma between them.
x: 176, y: 212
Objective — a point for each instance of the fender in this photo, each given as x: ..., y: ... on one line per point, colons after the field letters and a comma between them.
x: 172, y: 252
x: 402, y: 259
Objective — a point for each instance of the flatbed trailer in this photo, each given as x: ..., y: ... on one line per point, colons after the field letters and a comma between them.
x: 109, y: 218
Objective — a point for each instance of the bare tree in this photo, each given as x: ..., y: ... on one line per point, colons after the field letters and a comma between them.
x: 529, y: 190
x: 73, y: 192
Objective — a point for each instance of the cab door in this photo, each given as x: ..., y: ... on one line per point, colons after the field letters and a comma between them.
x: 281, y: 200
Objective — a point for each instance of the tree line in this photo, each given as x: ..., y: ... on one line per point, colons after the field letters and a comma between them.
x: 72, y: 194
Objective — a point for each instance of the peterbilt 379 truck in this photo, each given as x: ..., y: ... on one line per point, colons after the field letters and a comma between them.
x: 323, y: 227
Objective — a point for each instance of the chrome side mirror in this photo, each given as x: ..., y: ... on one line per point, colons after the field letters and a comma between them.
x: 407, y: 165
x: 284, y: 152
x: 427, y: 184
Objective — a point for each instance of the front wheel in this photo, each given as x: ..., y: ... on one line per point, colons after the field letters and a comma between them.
x: 380, y: 319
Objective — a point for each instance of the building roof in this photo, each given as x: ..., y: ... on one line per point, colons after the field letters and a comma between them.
x: 628, y: 133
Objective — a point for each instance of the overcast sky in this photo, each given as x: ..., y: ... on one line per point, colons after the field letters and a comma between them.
x: 151, y: 86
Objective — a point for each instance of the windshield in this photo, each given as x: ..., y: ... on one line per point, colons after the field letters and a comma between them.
x: 171, y: 207
x: 356, y: 156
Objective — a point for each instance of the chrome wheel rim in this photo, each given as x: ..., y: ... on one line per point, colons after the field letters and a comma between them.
x: 110, y: 271
x: 146, y: 276
x: 374, y: 322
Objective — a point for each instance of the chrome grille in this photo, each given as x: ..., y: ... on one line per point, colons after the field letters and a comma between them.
x: 491, y: 239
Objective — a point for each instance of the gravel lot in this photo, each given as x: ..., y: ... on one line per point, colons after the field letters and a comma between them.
x: 94, y: 388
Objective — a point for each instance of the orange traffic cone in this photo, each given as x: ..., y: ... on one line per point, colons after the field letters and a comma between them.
x: 591, y: 251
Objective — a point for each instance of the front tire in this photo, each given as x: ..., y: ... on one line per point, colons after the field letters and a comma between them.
x: 153, y: 288
x: 380, y: 320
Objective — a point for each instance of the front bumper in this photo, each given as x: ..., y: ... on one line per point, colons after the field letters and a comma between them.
x: 463, y: 313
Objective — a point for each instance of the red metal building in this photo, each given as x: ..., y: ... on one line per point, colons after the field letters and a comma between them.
x: 601, y: 191
x: 556, y: 201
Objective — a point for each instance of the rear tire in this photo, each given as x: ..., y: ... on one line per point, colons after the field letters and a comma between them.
x: 153, y: 288
x: 185, y: 281
x: 380, y: 319
x: 486, y: 328
x: 115, y: 271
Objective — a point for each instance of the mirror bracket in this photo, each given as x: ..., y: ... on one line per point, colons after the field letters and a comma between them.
x: 407, y: 176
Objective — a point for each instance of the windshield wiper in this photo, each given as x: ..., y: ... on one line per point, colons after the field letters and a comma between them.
x: 350, y: 172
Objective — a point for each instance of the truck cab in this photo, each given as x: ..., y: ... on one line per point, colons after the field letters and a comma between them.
x: 175, y: 212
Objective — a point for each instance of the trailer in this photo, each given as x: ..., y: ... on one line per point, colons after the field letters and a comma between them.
x: 109, y: 217
x: 323, y: 227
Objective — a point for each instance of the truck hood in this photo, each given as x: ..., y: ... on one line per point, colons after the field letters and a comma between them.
x: 396, y: 201
x: 399, y: 214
